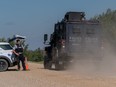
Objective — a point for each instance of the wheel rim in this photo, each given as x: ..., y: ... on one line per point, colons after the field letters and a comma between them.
x: 2, y: 65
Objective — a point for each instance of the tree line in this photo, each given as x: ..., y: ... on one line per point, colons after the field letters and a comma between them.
x: 108, y: 22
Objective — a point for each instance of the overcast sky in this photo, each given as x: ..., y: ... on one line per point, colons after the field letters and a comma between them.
x: 33, y: 18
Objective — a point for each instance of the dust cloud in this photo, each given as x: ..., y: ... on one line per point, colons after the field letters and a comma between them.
x: 94, y: 66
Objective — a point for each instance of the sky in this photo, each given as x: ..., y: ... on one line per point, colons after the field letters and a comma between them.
x: 34, y: 18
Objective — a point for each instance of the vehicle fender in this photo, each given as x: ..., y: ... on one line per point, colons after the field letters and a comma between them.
x: 7, y: 59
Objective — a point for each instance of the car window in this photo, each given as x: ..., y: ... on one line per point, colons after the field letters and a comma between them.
x: 6, y: 47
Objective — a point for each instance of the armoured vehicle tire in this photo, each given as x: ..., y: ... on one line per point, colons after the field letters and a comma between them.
x: 3, y: 65
x: 47, y: 63
x: 59, y: 66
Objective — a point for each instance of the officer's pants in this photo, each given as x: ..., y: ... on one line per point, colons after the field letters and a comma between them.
x: 22, y: 59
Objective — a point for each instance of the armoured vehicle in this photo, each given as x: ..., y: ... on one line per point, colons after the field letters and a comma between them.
x: 74, y: 37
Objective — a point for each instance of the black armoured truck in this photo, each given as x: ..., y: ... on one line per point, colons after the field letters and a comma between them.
x: 74, y: 37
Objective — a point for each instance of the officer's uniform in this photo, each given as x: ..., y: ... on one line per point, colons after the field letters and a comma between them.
x: 19, y: 49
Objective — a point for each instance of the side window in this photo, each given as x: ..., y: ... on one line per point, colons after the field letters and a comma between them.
x: 90, y: 31
x: 76, y: 31
x: 6, y: 47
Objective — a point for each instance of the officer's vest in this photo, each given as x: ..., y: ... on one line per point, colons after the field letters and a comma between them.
x: 19, y: 49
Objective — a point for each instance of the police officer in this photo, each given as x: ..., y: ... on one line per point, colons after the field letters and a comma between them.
x: 18, y: 50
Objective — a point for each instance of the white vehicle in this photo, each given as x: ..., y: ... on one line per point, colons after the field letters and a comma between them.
x: 7, y: 58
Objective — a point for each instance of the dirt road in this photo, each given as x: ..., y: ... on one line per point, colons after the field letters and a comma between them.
x: 39, y: 77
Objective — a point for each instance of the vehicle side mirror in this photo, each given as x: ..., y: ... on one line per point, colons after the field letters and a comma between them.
x: 45, y: 37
